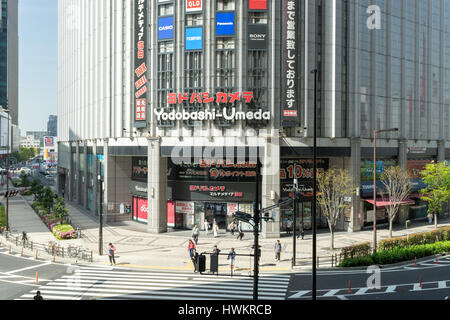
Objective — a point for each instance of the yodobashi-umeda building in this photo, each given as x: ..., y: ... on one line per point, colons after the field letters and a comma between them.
x: 173, y: 102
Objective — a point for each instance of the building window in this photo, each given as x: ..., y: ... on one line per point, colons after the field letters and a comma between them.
x: 257, y: 17
x: 193, y: 80
x: 194, y: 20
x: 166, y: 9
x: 166, y: 71
x: 225, y: 5
x: 225, y: 73
x: 257, y: 82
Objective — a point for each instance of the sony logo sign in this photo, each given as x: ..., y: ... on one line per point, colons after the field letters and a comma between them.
x: 257, y: 36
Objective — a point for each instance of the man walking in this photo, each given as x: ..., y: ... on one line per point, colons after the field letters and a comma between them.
x: 278, y: 251
x: 301, y: 231
x: 111, y: 251
x: 195, y: 233
x: 240, y: 232
x: 288, y: 226
x: 230, y: 258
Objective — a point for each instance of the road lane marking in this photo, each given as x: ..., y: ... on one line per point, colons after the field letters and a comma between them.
x: 331, y: 293
x: 28, y: 268
x: 299, y: 294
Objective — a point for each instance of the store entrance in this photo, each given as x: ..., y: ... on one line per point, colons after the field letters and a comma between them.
x: 216, y: 211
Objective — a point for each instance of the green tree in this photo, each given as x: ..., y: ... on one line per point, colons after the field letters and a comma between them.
x: 25, y: 181
x: 48, y: 199
x: 60, y: 208
x: 437, y: 178
x: 37, y: 189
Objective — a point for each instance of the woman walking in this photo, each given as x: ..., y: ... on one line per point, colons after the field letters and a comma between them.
x: 215, y: 228
x: 206, y: 226
x: 111, y: 251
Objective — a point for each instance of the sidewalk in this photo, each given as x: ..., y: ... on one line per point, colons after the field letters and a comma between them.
x: 138, y: 249
x: 168, y: 251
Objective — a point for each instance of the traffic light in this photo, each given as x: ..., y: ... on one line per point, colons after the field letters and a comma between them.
x: 128, y: 209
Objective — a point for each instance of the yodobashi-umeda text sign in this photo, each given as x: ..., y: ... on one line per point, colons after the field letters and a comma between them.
x: 290, y: 116
x: 229, y: 114
x: 141, y: 66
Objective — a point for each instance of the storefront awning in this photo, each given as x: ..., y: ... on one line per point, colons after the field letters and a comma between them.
x: 384, y: 203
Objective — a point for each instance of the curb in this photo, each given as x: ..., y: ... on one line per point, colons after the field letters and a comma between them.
x: 385, y: 266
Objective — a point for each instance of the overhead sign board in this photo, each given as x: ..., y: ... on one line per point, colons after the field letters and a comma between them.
x: 194, y: 38
x: 225, y: 24
x: 165, y: 28
x: 194, y: 5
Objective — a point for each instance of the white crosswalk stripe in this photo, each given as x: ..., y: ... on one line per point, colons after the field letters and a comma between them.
x: 106, y: 283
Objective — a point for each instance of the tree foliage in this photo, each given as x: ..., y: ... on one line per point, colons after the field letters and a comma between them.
x: 437, y: 179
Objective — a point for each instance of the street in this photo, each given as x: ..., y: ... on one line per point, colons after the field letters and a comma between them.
x: 396, y: 283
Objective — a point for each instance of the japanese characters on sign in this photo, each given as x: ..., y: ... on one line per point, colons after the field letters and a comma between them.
x: 204, y: 97
x: 289, y: 86
x: 141, y: 63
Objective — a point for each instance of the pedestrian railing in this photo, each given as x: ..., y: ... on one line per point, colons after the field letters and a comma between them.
x: 332, y: 261
x: 52, y: 248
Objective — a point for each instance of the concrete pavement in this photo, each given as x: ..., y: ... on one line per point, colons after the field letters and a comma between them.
x: 138, y: 249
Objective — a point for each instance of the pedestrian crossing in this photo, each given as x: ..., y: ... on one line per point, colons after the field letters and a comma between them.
x: 101, y: 283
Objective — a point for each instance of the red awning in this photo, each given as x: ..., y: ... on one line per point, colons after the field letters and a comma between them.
x: 382, y: 203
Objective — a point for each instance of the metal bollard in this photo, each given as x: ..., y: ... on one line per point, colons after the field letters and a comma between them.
x: 63, y: 252
x: 91, y: 257
x: 317, y: 262
x: 31, y: 245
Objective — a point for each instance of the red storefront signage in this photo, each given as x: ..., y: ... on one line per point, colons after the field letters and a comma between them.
x: 204, y: 97
x: 257, y: 5
x: 216, y: 191
x: 141, y: 209
x: 415, y: 167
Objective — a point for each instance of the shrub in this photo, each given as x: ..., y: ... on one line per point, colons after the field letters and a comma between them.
x: 398, y: 254
x: 355, y: 251
x: 356, y: 262
x: 63, y: 231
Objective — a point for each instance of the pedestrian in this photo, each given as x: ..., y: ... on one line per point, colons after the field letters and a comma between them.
x: 430, y: 218
x: 195, y: 233
x: 38, y: 296
x: 62, y: 191
x: 232, y: 227
x: 206, y: 226
x: 288, y: 226
x: 216, y: 250
x: 111, y: 251
x: 278, y: 251
x: 215, y: 228
x: 300, y: 231
x: 240, y: 231
x: 191, y: 248
x: 231, y: 257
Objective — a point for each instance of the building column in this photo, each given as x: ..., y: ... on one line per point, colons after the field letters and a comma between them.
x: 270, y: 189
x: 77, y: 174
x: 355, y: 171
x: 70, y: 190
x: 403, y: 154
x: 95, y: 178
x: 106, y: 177
x: 441, y: 151
x: 157, y: 185
x: 86, y: 176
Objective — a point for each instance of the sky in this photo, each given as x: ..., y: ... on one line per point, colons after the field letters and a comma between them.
x: 38, y: 63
